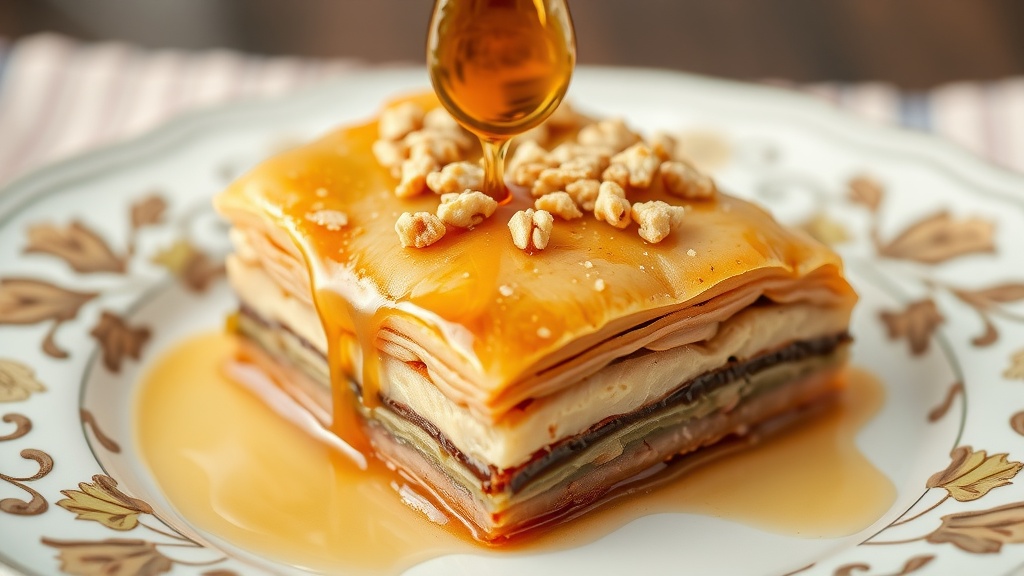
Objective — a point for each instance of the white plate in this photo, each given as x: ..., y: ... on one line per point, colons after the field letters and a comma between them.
x: 933, y: 245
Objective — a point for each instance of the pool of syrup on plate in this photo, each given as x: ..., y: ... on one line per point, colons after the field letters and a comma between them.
x: 235, y: 468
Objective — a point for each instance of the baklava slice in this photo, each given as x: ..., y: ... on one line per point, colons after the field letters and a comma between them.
x: 520, y: 379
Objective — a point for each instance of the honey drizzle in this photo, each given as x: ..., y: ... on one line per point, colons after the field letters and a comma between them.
x: 494, y: 152
x: 365, y: 315
x: 500, y: 68
x: 496, y: 94
x: 232, y: 466
x: 346, y: 421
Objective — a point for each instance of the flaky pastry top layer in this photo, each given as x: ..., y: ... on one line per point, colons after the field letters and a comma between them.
x: 496, y: 317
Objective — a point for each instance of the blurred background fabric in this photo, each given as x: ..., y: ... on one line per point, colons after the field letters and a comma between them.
x: 79, y: 73
x: 914, y: 44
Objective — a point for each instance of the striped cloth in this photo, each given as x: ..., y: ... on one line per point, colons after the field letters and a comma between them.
x: 58, y: 97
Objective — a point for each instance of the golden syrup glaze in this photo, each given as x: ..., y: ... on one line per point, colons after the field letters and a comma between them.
x: 453, y: 288
x: 257, y: 481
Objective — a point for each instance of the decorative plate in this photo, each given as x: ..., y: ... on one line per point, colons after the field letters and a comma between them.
x: 108, y: 259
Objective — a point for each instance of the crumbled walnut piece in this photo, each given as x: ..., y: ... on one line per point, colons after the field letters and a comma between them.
x: 467, y: 209
x: 390, y: 155
x: 419, y: 230
x: 456, y: 177
x: 440, y: 146
x: 527, y: 162
x: 557, y: 179
x: 531, y: 229
x: 569, y: 151
x: 332, y: 220
x: 560, y: 204
x: 585, y: 166
x: 611, y: 205
x: 584, y: 193
x: 616, y: 173
x: 528, y: 152
x: 664, y: 146
x: 549, y: 180
x: 439, y: 119
x: 414, y: 176
x: 526, y: 174
x: 656, y: 219
x: 611, y: 133
x: 685, y: 181
x: 641, y: 162
x: 398, y: 121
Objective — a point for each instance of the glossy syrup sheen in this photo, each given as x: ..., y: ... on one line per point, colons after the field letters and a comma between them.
x: 459, y: 279
x: 247, y: 475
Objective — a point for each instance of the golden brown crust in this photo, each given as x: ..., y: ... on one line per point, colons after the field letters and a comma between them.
x: 447, y: 300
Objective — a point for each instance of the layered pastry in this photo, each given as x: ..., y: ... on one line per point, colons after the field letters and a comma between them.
x: 523, y: 361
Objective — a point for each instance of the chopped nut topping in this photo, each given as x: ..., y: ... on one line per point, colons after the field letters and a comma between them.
x: 664, y: 146
x: 691, y: 252
x: 557, y: 179
x: 414, y: 176
x: 641, y: 162
x: 569, y: 151
x: 656, y: 219
x: 390, y: 155
x: 611, y: 133
x: 616, y: 173
x: 426, y: 150
x: 528, y: 152
x: 583, y: 167
x: 398, y: 121
x: 527, y: 162
x: 439, y: 119
x: 531, y: 229
x: 584, y: 193
x: 456, y: 177
x: 560, y: 204
x: 685, y: 181
x: 333, y: 220
x: 467, y: 209
x: 599, y: 285
x: 419, y: 230
x: 441, y: 146
x: 611, y: 205
x: 550, y: 180
x: 412, y: 142
x: 526, y: 174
